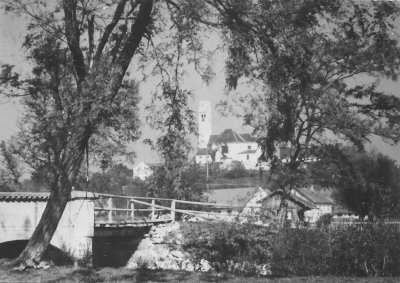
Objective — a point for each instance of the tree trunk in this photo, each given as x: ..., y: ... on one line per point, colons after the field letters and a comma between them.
x: 283, y: 206
x: 48, y: 223
x: 59, y: 197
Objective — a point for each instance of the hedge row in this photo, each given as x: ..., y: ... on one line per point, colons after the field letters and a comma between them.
x: 373, y: 251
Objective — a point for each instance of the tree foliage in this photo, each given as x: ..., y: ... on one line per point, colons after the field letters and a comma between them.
x: 10, y: 171
x: 314, y: 67
x: 367, y: 183
x: 111, y: 181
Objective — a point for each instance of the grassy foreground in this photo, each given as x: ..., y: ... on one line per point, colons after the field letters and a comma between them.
x: 71, y: 274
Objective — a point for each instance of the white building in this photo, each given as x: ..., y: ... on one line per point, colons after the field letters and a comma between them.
x: 225, y: 147
x: 142, y: 171
x: 230, y: 146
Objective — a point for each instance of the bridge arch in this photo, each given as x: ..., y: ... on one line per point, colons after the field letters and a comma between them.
x: 11, y: 249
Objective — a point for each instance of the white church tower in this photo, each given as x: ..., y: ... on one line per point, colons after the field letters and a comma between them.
x: 204, y: 123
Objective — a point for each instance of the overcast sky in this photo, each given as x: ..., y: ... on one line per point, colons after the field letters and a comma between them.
x: 12, y: 31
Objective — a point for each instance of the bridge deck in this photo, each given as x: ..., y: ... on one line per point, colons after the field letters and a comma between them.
x: 141, y: 223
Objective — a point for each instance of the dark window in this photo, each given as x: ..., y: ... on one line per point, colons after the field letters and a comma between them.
x: 247, y: 157
x: 249, y: 147
x: 224, y: 149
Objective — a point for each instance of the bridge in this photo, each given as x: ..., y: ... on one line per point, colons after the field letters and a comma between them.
x: 91, y: 221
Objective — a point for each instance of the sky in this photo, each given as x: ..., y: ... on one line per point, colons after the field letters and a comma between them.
x: 12, y: 30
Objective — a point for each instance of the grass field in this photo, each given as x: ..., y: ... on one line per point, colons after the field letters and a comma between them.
x: 71, y: 274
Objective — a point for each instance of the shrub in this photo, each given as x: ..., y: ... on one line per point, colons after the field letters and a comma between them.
x: 300, y: 252
x: 371, y: 251
x: 236, y: 171
x: 324, y: 221
x: 232, y: 247
x: 348, y: 251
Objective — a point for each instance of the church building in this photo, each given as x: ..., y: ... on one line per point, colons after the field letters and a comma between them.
x: 225, y: 147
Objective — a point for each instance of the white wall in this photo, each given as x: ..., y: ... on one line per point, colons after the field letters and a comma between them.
x: 18, y: 220
x: 313, y: 214
x: 142, y: 171
x: 233, y: 154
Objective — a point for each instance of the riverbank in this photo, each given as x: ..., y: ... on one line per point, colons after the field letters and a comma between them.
x: 74, y: 274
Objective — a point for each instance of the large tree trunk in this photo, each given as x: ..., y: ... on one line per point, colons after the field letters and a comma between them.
x: 44, y: 231
x: 59, y: 197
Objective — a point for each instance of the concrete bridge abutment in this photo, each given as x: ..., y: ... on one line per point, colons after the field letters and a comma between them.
x: 21, y: 212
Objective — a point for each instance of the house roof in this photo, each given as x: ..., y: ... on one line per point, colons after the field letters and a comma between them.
x: 294, y: 197
x: 317, y: 195
x: 40, y: 196
x: 313, y: 196
x: 230, y: 136
x: 237, y: 196
x: 202, y: 151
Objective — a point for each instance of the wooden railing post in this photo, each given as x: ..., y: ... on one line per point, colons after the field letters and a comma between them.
x: 173, y: 206
x: 153, y: 209
x: 109, y: 203
x: 132, y: 210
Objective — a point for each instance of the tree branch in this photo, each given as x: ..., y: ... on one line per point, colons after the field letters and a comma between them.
x: 104, y: 39
x: 91, y: 39
x: 138, y: 29
x: 72, y: 33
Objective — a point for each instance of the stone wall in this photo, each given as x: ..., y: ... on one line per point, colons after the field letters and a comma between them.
x: 160, y: 250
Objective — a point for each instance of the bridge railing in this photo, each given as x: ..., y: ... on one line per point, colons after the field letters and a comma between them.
x: 125, y: 209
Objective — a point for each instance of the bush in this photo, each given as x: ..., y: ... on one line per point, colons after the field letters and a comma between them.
x: 236, y: 171
x: 324, y: 221
x: 300, y: 252
x: 371, y: 251
x: 351, y: 251
x: 229, y: 247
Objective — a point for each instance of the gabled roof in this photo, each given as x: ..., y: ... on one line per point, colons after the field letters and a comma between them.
x: 202, y: 151
x: 294, y: 197
x: 230, y: 136
x: 317, y: 195
x: 237, y: 196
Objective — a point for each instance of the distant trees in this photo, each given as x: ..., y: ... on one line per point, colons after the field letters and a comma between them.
x: 110, y: 181
x: 186, y: 183
x: 10, y: 171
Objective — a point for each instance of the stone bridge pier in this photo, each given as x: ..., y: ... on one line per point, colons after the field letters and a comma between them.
x: 20, y: 213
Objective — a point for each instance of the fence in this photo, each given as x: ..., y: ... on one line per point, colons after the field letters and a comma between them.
x: 127, y: 209
x: 361, y: 225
